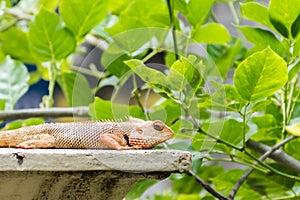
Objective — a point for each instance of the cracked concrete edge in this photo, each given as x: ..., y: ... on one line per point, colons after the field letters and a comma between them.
x: 137, y: 161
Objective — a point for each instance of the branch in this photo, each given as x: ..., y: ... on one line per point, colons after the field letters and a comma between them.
x: 18, y: 14
x: 207, y: 187
x: 279, y: 156
x: 97, y: 42
x: 45, y: 113
x: 262, y: 158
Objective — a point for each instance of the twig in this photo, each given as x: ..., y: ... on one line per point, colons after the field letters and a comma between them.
x: 45, y: 113
x: 171, y: 14
x: 263, y: 157
x: 97, y: 42
x: 206, y: 186
x: 18, y: 14
x: 279, y: 156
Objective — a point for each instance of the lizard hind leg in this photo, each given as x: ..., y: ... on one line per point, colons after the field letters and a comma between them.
x: 38, y: 141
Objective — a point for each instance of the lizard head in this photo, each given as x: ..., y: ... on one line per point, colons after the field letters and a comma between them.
x: 147, y: 134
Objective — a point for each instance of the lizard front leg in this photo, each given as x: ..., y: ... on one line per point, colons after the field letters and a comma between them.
x: 115, y: 142
x: 38, y: 141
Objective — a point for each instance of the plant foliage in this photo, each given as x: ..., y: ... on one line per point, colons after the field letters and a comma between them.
x: 219, y: 94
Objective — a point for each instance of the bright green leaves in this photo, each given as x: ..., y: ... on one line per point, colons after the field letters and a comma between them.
x: 75, y: 88
x: 49, y: 39
x: 293, y: 129
x: 181, y: 85
x: 15, y: 43
x: 13, y: 82
x: 262, y: 39
x: 260, y: 75
x: 82, y: 16
x: 101, y: 109
x: 197, y: 10
x: 260, y: 15
x: 142, y: 13
x: 211, y: 34
x: 283, y: 14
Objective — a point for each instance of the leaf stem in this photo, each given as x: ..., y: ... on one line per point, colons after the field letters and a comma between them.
x: 89, y: 72
x: 244, y: 114
x: 48, y: 101
x: 234, y: 13
x: 137, y: 94
x: 150, y: 55
x: 171, y: 14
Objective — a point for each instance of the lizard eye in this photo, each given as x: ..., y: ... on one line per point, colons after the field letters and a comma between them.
x: 158, y: 125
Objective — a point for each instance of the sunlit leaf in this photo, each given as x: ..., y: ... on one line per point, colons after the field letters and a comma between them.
x: 13, y: 81
x: 101, y: 109
x: 260, y: 75
x: 283, y: 14
x: 293, y: 129
x: 49, y: 39
x: 82, y: 16
x: 211, y: 34
x: 13, y: 39
x: 75, y: 88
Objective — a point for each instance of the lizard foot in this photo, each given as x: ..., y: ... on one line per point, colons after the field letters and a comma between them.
x: 41, y: 141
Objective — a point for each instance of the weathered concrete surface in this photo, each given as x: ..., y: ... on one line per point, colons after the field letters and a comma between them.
x: 82, y: 174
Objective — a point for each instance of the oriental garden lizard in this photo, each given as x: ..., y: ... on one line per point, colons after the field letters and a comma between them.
x: 121, y: 135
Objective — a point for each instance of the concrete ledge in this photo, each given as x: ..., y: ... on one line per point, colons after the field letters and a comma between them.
x: 82, y: 174
x: 85, y: 160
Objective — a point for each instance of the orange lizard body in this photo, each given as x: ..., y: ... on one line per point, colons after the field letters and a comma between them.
x: 131, y: 134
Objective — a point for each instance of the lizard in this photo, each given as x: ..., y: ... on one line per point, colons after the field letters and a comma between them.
x: 133, y: 133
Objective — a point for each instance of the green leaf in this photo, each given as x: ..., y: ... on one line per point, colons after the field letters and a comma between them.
x: 185, y: 78
x: 225, y: 182
x: 13, y: 39
x: 280, y: 27
x: 49, y: 5
x: 224, y: 55
x: 272, y: 185
x: 262, y: 39
x: 231, y: 130
x: 260, y: 15
x: 211, y: 33
x: 167, y: 111
x: 260, y: 75
x: 267, y: 128
x: 13, y: 79
x: 75, y: 88
x: 296, y: 27
x: 82, y: 16
x: 184, y: 184
x: 183, y: 129
x: 101, y: 109
x: 149, y: 75
x: 142, y: 13
x: 296, y: 49
x: 139, y: 188
x: 197, y: 11
x: 197, y: 163
x: 2, y: 104
x: 293, y: 129
x: 114, y: 63
x: 294, y: 70
x: 49, y: 39
x: 283, y: 14
x: 22, y: 123
x: 260, y: 106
